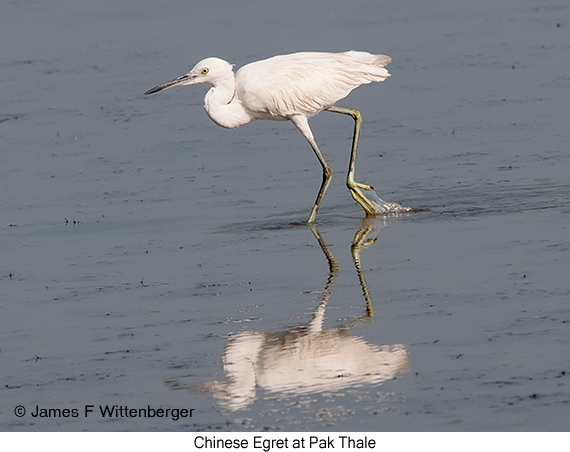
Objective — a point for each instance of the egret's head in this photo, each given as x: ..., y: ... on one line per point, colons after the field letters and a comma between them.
x: 211, y: 70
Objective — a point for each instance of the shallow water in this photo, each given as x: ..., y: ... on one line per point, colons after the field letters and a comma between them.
x: 142, y: 247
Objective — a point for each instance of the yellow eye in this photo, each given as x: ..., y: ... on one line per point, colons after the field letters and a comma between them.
x: 205, y: 71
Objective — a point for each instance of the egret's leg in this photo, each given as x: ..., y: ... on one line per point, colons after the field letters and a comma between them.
x: 327, y: 176
x: 353, y: 186
x: 303, y: 126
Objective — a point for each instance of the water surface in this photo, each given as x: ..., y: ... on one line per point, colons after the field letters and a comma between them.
x: 141, y: 246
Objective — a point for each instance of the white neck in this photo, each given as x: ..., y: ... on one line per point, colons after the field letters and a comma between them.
x: 222, y: 105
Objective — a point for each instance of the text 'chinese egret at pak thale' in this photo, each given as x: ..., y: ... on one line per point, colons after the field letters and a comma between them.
x: 292, y: 87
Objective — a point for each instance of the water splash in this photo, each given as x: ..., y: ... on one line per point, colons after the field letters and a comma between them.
x: 386, y: 207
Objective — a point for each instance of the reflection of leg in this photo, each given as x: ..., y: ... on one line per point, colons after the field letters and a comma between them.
x: 333, y: 264
x: 360, y: 241
x: 316, y: 324
x: 355, y: 187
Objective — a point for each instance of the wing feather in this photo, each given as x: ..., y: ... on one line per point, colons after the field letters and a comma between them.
x: 306, y: 82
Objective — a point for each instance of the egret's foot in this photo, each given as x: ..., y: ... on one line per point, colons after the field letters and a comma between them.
x: 377, y: 206
x: 363, y: 186
x: 358, y: 196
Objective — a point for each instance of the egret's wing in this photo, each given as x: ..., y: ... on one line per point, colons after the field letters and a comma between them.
x: 307, y: 82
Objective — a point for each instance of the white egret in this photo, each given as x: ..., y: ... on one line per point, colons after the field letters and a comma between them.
x: 292, y: 87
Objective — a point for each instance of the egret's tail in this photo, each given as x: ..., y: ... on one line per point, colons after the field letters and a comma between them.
x: 370, y: 67
x: 369, y: 58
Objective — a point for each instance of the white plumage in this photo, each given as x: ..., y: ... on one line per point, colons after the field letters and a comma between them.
x: 290, y: 87
x: 306, y: 83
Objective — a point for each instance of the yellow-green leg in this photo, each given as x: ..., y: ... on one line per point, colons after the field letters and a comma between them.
x: 303, y: 126
x: 355, y: 187
x: 327, y: 176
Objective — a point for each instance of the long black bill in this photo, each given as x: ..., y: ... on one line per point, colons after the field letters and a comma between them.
x: 167, y: 85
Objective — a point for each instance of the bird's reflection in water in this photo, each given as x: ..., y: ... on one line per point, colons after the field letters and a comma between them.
x: 307, y: 359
